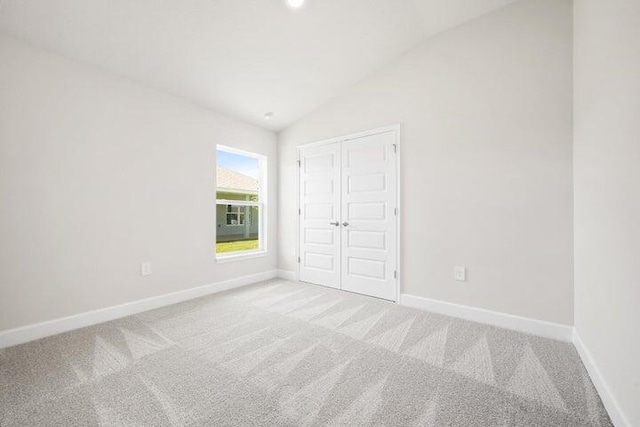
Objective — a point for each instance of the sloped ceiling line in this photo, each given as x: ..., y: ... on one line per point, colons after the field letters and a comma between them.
x: 244, y: 58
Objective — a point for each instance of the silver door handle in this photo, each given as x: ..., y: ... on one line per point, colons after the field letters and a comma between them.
x: 336, y: 223
x: 346, y: 224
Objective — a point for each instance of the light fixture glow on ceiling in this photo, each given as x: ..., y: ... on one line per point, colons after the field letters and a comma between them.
x: 295, y: 3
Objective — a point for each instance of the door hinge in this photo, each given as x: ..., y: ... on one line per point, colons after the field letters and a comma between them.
x: 299, y: 211
x: 395, y: 274
x: 298, y: 260
x: 395, y: 148
x: 299, y: 162
x: 395, y: 211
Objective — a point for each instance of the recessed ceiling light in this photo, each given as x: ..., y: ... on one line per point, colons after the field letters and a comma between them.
x: 295, y: 3
x: 268, y: 116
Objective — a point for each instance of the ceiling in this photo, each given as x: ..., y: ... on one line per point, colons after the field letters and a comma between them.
x: 240, y: 57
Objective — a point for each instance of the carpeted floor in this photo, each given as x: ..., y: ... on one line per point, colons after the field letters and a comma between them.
x: 289, y: 354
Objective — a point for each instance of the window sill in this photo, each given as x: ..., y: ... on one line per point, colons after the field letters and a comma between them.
x: 240, y: 256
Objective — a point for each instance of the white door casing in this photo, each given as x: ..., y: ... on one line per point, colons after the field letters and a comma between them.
x: 350, y: 181
x: 369, y: 216
x: 320, y: 215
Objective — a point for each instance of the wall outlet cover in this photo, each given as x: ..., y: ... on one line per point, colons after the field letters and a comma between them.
x: 460, y: 273
x: 145, y: 268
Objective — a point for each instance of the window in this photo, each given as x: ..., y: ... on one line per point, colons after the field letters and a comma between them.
x: 240, y: 204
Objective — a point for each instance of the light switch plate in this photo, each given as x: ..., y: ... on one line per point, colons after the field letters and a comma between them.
x: 460, y: 273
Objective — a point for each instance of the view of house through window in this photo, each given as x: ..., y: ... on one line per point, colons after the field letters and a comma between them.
x: 239, y: 202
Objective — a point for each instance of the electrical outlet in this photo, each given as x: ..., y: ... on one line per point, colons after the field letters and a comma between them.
x: 460, y: 273
x: 145, y: 268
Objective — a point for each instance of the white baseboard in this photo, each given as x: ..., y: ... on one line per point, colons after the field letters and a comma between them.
x: 36, y: 331
x: 287, y: 275
x: 618, y: 417
x: 503, y: 320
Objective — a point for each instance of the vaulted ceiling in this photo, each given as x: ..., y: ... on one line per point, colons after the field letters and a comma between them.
x: 240, y: 57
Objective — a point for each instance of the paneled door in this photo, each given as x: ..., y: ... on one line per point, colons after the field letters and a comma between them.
x: 348, y: 214
x: 368, y: 204
x: 320, y: 215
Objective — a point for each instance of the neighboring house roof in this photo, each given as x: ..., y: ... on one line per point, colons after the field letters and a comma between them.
x: 231, y: 180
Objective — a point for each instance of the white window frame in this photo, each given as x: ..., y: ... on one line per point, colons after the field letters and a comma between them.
x: 261, y: 204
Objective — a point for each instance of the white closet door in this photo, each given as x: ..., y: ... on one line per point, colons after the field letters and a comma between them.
x: 368, y: 215
x: 320, y: 215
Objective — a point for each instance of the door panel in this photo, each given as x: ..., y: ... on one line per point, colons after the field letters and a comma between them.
x: 320, y: 206
x: 367, y: 211
x: 367, y: 239
x: 367, y: 268
x: 367, y: 182
x: 368, y: 204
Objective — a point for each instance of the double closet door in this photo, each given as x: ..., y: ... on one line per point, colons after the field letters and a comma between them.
x: 348, y: 214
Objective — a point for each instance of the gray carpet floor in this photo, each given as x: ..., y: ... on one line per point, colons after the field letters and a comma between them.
x: 289, y: 354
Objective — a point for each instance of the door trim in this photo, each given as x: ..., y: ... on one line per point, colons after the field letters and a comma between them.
x: 397, y: 128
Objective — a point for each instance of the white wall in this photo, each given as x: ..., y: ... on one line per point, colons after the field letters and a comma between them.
x: 607, y: 193
x: 487, y: 110
x: 98, y: 174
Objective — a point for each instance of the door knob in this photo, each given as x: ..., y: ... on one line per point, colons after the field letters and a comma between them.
x: 336, y: 223
x: 345, y: 223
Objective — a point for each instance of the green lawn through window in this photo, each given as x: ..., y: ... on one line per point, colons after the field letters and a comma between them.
x: 238, y: 245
